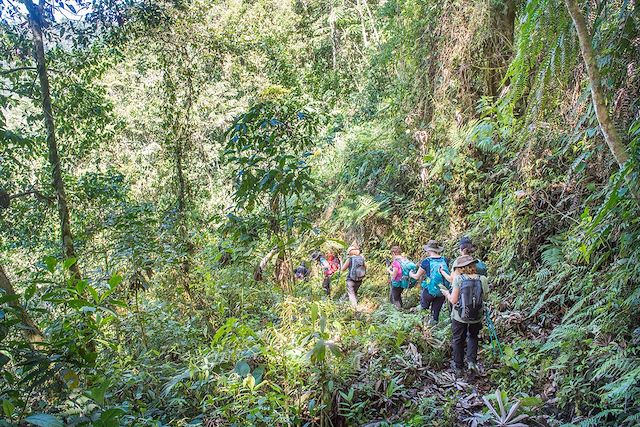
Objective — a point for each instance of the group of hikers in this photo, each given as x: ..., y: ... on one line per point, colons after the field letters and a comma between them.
x: 464, y: 287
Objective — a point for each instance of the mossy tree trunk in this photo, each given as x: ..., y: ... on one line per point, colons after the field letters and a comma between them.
x: 607, y: 126
x: 36, y: 21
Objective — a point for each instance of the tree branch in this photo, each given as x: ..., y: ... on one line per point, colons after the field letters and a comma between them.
x: 17, y: 69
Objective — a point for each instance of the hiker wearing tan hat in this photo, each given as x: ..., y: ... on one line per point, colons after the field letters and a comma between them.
x: 431, y: 268
x: 357, y: 270
x: 467, y: 293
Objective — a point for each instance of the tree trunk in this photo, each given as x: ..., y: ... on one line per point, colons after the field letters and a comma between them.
x: 31, y: 331
x: 608, y: 128
x: 500, y: 47
x: 258, y: 272
x: 36, y: 23
x: 334, y: 47
x: 365, y: 39
x: 185, y: 265
x: 177, y: 140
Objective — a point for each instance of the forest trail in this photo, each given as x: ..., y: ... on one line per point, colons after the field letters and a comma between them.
x: 152, y: 152
x: 424, y: 381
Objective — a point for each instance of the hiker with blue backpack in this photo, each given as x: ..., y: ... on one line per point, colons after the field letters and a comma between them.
x: 431, y: 269
x: 399, y: 274
x: 468, y: 290
x: 357, y: 270
x: 468, y: 248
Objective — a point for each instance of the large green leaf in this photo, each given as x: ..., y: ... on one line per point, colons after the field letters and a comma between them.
x: 44, y: 420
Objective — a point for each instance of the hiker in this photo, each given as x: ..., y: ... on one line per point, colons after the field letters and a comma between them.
x: 468, y: 248
x: 302, y: 272
x: 467, y: 293
x: 399, y: 274
x: 357, y: 268
x: 329, y: 263
x: 431, y: 269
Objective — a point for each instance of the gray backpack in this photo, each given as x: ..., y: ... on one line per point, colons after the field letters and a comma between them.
x: 357, y: 269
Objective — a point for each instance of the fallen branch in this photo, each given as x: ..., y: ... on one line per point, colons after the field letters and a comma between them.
x: 31, y: 331
x: 259, y: 270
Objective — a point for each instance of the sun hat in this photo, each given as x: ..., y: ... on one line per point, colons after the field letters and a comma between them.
x: 463, y: 261
x: 433, y: 246
x: 467, y: 244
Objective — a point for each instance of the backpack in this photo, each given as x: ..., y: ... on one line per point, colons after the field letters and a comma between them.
x: 406, y: 281
x: 357, y: 269
x: 435, y: 279
x: 329, y: 267
x: 334, y: 264
x: 470, y: 307
x: 481, y: 268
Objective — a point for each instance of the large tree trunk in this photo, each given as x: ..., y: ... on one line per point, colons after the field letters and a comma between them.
x: 36, y: 24
x: 31, y: 331
x: 608, y: 128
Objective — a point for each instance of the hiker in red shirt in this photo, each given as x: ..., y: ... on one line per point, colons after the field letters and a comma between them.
x: 330, y: 263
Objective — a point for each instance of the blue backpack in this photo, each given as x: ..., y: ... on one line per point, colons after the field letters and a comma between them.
x: 435, y: 279
x: 406, y: 281
x: 481, y: 268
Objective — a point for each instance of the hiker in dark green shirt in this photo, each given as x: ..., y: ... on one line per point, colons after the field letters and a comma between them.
x: 468, y: 248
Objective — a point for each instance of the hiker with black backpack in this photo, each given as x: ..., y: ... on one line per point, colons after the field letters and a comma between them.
x: 302, y: 272
x: 431, y: 269
x: 468, y: 291
x: 399, y: 273
x: 357, y: 270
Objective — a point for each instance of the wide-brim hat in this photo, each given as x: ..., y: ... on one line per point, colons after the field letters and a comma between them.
x: 353, y: 247
x: 463, y: 261
x: 433, y: 246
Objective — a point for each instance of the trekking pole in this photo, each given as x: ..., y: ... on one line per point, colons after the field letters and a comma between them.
x: 495, y: 343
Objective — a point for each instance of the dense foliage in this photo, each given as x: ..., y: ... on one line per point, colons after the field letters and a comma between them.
x: 203, y: 150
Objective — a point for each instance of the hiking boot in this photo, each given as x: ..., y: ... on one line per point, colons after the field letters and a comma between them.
x: 458, y: 372
x: 474, y: 368
x: 432, y: 322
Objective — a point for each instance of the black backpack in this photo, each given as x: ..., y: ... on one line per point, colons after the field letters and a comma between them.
x: 357, y: 269
x: 470, y: 307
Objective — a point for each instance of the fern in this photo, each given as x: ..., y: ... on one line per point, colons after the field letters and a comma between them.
x: 552, y: 257
x: 600, y: 418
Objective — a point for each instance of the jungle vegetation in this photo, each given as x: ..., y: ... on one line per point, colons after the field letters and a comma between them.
x: 166, y: 164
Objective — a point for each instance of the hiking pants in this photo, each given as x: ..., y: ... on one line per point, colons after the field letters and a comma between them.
x: 326, y: 284
x: 427, y: 300
x: 465, y: 332
x: 352, y: 291
x: 396, y: 296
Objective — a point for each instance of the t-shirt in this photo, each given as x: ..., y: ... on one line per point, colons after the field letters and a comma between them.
x: 457, y: 281
x: 396, y: 264
x: 426, y: 265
